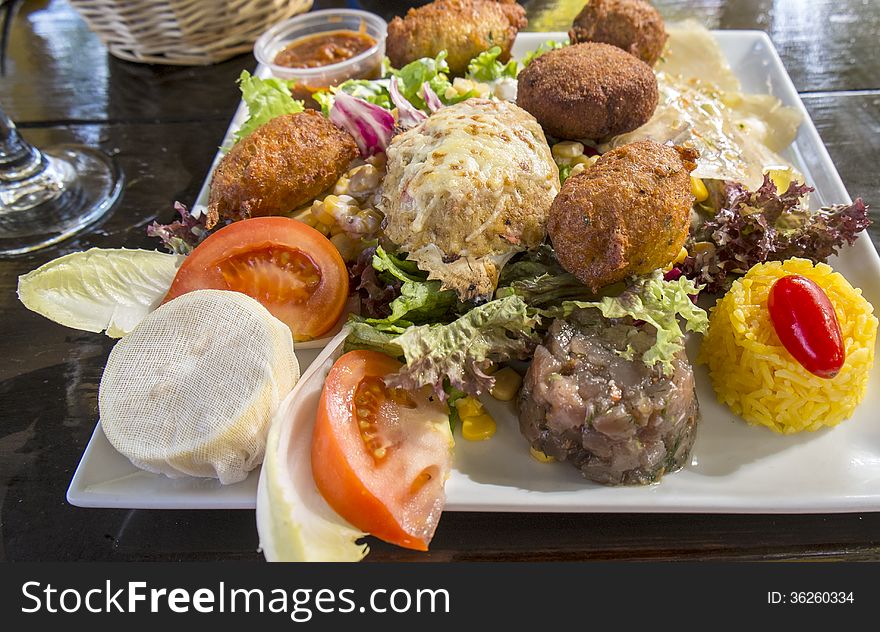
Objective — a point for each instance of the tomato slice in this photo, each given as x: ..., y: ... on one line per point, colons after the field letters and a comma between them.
x: 288, y: 266
x: 381, y: 456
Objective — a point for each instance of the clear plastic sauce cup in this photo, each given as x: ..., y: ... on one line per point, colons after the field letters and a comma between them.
x: 364, y: 65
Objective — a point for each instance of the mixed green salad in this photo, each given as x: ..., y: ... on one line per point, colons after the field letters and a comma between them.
x: 448, y: 344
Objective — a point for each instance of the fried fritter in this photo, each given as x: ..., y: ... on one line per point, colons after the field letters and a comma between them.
x: 627, y: 214
x: 588, y: 91
x: 463, y: 28
x: 633, y: 25
x: 278, y: 167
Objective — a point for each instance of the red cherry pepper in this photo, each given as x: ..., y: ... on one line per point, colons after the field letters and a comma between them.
x: 806, y: 324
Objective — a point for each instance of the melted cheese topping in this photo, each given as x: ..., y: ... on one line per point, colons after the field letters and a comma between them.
x: 701, y: 106
x: 468, y: 188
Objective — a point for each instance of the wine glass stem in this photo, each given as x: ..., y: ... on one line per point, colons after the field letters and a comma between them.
x: 19, y: 159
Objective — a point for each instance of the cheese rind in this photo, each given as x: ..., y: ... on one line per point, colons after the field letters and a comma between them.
x: 191, y: 391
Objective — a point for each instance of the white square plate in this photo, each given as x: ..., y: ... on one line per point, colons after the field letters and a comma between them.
x: 734, y: 469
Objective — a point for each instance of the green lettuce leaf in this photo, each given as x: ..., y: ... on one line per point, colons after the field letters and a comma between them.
x: 100, y: 289
x: 420, y: 300
x: 485, y: 67
x: 564, y: 172
x: 547, y: 289
x: 265, y: 99
x: 540, y: 281
x: 398, y: 267
x: 414, y: 74
x: 385, y: 69
x: 546, y: 47
x: 452, y: 396
x: 656, y: 302
x: 457, y: 355
x: 365, y: 336
x: 532, y: 263
x: 294, y: 522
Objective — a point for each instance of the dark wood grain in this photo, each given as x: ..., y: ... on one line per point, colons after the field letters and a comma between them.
x: 849, y: 124
x: 58, y: 71
x: 162, y: 163
x: 163, y: 124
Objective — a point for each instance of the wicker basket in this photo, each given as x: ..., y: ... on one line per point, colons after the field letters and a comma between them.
x: 184, y: 32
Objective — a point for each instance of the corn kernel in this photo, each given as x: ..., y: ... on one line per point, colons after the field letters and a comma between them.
x: 344, y: 212
x: 478, y: 428
x: 321, y: 211
x: 507, y: 383
x: 324, y: 229
x: 369, y: 221
x: 378, y: 160
x: 567, y: 150
x: 305, y: 216
x: 682, y: 255
x: 701, y: 193
x: 301, y: 213
x: 586, y: 161
x: 363, y: 179
x: 703, y: 246
x: 576, y: 169
x: 341, y: 186
x: 540, y: 456
x: 469, y: 407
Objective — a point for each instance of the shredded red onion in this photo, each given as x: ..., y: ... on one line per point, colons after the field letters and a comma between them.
x: 407, y: 114
x: 371, y: 126
x: 431, y: 99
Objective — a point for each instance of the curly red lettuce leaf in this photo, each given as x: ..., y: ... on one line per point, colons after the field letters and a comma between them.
x: 182, y: 235
x: 376, y: 294
x: 825, y: 232
x: 395, y: 293
x: 771, y: 203
x: 765, y: 225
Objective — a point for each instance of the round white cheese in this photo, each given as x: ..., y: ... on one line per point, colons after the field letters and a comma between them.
x: 192, y: 389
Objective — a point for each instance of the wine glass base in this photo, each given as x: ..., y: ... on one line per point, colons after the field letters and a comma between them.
x: 78, y: 187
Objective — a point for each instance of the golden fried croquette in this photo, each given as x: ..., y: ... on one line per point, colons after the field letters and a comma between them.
x: 627, y: 214
x: 463, y: 28
x: 633, y: 25
x: 279, y: 166
x: 588, y: 91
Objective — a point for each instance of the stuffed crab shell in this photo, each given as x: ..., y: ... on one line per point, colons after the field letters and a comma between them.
x: 466, y: 189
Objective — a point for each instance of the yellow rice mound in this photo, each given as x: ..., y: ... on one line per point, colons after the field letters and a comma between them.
x: 759, y: 379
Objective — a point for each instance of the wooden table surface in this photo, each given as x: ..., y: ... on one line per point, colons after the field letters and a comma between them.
x: 163, y: 124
